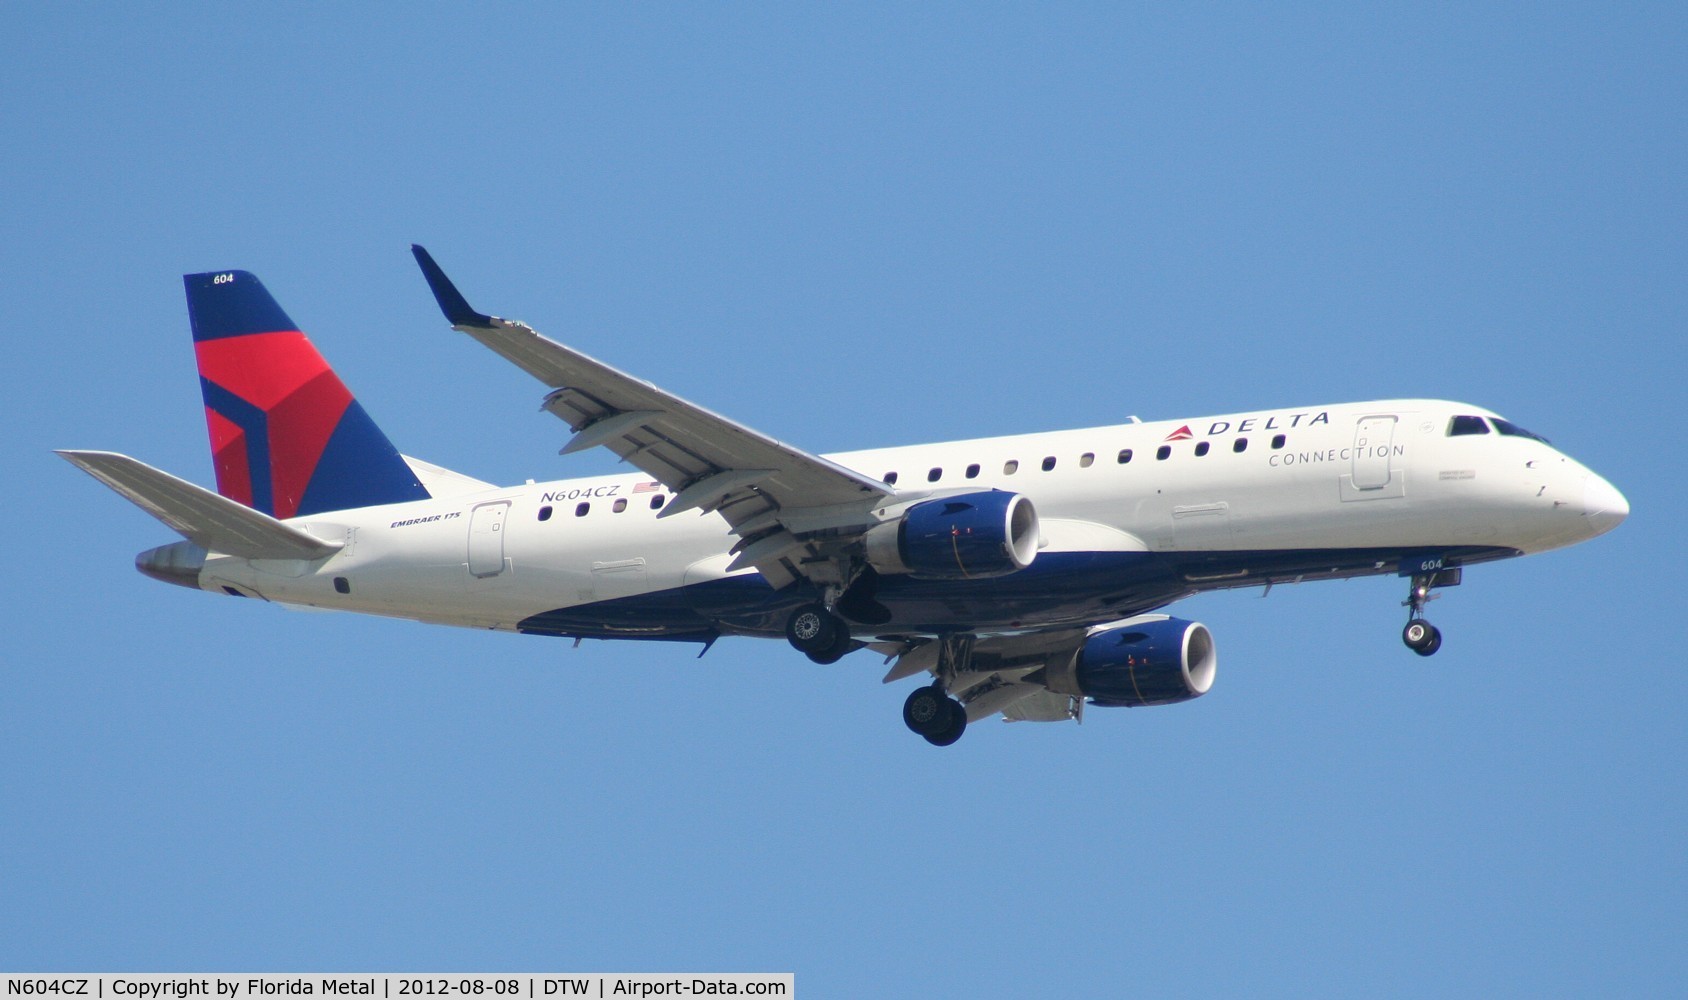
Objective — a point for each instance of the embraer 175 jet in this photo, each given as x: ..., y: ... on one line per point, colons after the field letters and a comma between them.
x: 1020, y: 573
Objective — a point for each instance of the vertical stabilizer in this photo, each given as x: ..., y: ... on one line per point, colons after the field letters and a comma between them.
x: 287, y: 438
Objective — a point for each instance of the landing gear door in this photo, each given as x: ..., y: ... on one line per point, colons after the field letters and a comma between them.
x: 486, y: 539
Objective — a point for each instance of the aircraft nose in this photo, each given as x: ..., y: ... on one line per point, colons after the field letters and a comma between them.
x: 1603, y: 505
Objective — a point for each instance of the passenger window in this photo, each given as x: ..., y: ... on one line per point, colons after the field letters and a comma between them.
x: 1162, y: 452
x: 1278, y: 441
x: 620, y: 505
x: 545, y: 513
x: 1124, y: 456
x: 1462, y: 426
x: 1049, y: 464
x: 973, y: 471
x: 1240, y: 445
x: 935, y: 475
x: 656, y: 502
x: 890, y: 478
x: 581, y: 509
x: 1201, y: 448
x: 1085, y: 460
x: 1010, y: 467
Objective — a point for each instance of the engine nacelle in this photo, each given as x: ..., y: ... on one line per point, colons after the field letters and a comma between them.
x: 1152, y: 661
x: 964, y: 537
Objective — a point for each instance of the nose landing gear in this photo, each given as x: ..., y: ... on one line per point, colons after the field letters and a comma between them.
x: 1420, y: 636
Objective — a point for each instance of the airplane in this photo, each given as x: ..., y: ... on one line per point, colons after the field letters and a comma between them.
x: 1023, y: 575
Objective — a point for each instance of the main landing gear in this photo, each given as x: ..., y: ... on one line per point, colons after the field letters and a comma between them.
x: 1420, y: 636
x: 934, y: 715
x: 929, y: 711
x: 818, y: 634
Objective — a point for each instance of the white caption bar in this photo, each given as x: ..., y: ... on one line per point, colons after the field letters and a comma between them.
x: 395, y: 985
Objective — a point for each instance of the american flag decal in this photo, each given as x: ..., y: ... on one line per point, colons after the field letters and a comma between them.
x: 651, y: 487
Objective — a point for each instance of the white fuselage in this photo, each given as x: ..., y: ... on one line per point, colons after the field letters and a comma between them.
x: 1382, y: 478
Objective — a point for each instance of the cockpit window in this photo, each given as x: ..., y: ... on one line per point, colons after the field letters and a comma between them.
x: 1461, y: 426
x: 1511, y: 429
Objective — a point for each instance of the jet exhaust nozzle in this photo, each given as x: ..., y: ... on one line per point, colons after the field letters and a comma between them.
x: 178, y: 563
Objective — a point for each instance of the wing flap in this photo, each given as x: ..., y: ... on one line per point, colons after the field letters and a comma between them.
x: 1040, y: 705
x: 211, y: 521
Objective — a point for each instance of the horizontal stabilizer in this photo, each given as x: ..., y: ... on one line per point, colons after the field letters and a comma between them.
x: 210, y: 521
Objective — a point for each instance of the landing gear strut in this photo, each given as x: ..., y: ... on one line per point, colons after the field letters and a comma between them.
x: 1420, y: 636
x: 818, y: 634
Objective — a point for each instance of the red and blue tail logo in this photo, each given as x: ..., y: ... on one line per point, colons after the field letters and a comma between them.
x: 287, y: 437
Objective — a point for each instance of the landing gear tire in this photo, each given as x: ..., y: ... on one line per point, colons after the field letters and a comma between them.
x: 1422, y: 637
x: 957, y: 725
x: 934, y: 715
x: 841, y: 644
x: 925, y: 710
x: 813, y: 629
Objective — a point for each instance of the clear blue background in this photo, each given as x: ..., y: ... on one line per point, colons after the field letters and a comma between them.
x: 850, y: 227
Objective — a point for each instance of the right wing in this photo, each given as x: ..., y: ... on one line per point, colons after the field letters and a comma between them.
x: 775, y: 497
x: 1004, y: 673
x: 210, y: 521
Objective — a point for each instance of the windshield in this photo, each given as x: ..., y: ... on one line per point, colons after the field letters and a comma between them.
x: 1511, y: 429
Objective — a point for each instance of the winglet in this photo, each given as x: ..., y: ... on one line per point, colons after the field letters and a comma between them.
x: 452, y: 302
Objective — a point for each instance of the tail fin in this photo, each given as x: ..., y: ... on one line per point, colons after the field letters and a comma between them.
x: 287, y: 437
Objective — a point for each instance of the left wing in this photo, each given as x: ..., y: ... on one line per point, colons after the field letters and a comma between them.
x: 776, y: 498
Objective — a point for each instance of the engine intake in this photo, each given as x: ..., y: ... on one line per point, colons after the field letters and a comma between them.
x: 964, y: 537
x: 1154, y: 661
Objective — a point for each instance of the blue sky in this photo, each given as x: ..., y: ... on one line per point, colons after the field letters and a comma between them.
x: 850, y: 228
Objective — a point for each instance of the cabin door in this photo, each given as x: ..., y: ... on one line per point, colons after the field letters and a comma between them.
x: 486, y: 539
x: 1373, y: 438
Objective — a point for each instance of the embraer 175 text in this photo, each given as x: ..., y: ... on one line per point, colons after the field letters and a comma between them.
x: 1020, y: 573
